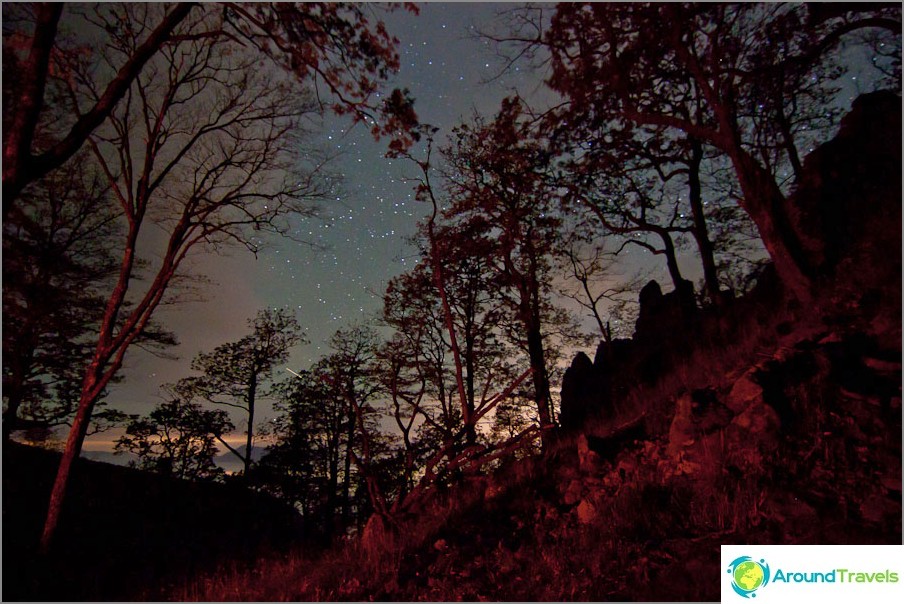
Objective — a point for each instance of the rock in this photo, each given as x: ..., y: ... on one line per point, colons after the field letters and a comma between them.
x: 589, y: 461
x: 578, y: 393
x: 760, y: 420
x: 573, y: 492
x: 662, y: 315
x: 626, y: 467
x: 681, y: 432
x: 847, y: 200
x: 744, y: 393
x: 586, y: 512
x: 707, y: 412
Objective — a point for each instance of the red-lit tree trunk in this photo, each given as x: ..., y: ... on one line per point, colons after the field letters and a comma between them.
x: 20, y: 167
x: 18, y: 138
x: 767, y: 207
x: 100, y: 371
x: 426, y: 193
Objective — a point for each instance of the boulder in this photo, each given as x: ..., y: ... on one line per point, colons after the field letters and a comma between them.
x: 586, y: 512
x: 578, y: 393
x: 744, y: 393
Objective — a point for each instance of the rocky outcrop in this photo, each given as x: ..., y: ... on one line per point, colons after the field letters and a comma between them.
x: 579, y: 392
x: 662, y: 314
x: 662, y: 330
x: 848, y: 200
x: 849, y: 194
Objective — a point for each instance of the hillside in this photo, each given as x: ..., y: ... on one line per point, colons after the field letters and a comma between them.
x: 127, y: 534
x: 764, y: 422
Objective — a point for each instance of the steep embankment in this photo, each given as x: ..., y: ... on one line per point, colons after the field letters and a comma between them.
x: 764, y: 422
x: 126, y: 534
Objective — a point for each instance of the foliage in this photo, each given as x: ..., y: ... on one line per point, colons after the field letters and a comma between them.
x: 302, y: 466
x: 177, y: 438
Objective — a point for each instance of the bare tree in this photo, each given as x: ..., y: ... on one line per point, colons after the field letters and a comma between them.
x: 597, y: 283
x: 341, y: 46
x: 203, y: 151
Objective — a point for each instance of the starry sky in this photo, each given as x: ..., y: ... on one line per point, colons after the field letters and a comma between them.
x: 360, y: 237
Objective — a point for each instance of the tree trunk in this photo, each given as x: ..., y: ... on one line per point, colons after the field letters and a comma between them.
x: 252, y: 393
x: 470, y: 428
x: 333, y: 483
x: 346, y: 483
x: 765, y: 204
x: 20, y: 135
x: 538, y: 365
x: 671, y: 257
x: 701, y: 234
x: 73, y: 447
x: 788, y: 137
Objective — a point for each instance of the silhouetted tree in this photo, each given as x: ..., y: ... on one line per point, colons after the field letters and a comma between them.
x: 501, y: 203
x: 235, y: 374
x: 350, y: 371
x: 330, y: 44
x: 634, y: 64
x: 204, y: 146
x: 309, y: 431
x: 177, y: 438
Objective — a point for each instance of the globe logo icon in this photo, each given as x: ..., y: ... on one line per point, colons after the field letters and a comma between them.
x: 748, y: 575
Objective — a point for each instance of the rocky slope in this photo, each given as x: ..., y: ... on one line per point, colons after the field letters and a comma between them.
x: 763, y: 422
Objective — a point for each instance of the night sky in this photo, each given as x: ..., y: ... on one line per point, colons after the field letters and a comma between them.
x: 360, y: 235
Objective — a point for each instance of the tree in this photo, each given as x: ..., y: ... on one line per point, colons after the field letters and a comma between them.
x: 234, y: 374
x: 350, y: 371
x: 404, y: 381
x: 333, y: 44
x: 628, y: 180
x: 599, y: 283
x: 178, y: 438
x: 57, y: 261
x: 202, y: 146
x: 303, y: 463
x: 327, y: 438
x: 501, y: 204
x: 413, y: 309
x: 627, y: 62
